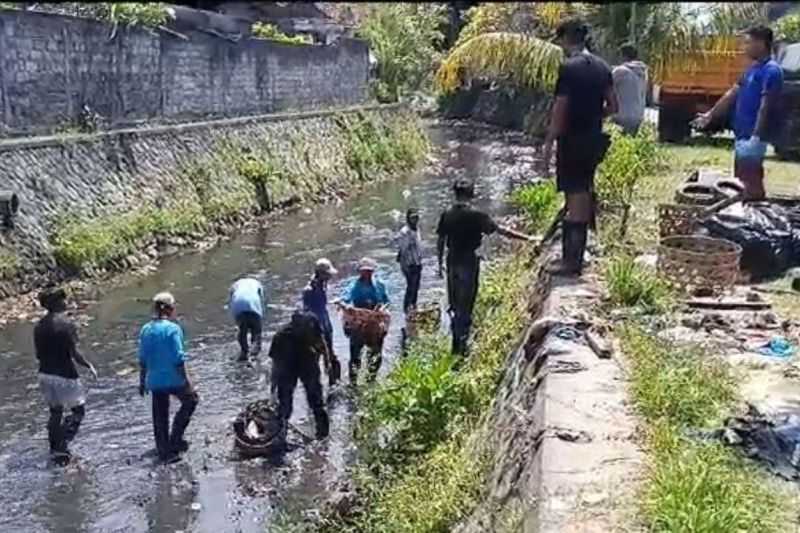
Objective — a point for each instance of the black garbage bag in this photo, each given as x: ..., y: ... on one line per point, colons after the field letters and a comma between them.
x: 770, y: 244
x: 775, y: 442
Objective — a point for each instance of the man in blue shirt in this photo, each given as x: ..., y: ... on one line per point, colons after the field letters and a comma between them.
x: 365, y: 292
x: 246, y: 305
x: 163, y: 373
x: 315, y: 300
x: 756, y: 119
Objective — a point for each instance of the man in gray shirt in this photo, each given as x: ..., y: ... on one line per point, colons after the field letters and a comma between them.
x: 630, y: 85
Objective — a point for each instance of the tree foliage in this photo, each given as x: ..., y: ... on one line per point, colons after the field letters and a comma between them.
x: 404, y: 37
x: 788, y: 28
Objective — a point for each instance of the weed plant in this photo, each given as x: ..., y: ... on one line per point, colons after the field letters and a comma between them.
x: 629, y: 159
x: 633, y: 285
x: 539, y: 203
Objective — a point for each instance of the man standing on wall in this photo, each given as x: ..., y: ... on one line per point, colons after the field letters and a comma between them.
x: 246, y: 301
x: 56, y: 342
x: 584, y: 95
x: 757, y: 117
x: 461, y: 230
x: 630, y: 85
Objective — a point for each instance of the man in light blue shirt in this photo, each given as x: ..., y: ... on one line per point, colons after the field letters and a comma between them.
x: 246, y: 303
x: 163, y: 373
x: 365, y: 292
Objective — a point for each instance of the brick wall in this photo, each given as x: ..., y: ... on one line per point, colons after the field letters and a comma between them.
x: 51, y: 66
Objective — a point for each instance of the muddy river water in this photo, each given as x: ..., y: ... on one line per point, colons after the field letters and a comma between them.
x: 115, y: 485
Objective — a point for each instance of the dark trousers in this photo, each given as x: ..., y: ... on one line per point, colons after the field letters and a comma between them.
x: 374, y: 357
x: 413, y: 274
x: 61, y: 433
x: 249, y: 323
x: 169, y: 441
x: 285, y: 375
x: 462, y: 289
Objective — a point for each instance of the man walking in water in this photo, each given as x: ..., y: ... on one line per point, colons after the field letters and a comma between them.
x: 246, y: 303
x: 461, y: 230
x: 315, y: 300
x: 295, y: 352
x: 56, y: 342
x: 409, y: 255
x: 163, y: 373
x: 584, y: 95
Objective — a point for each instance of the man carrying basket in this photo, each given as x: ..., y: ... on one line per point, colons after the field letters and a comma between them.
x: 367, y: 293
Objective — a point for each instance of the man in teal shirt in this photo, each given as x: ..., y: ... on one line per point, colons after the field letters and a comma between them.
x: 365, y: 292
x: 163, y: 373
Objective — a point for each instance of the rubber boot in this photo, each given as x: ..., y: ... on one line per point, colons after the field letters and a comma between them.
x: 580, y: 232
x: 322, y: 424
x: 571, y: 261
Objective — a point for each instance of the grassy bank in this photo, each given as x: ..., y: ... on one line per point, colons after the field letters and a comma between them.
x: 421, y: 428
x: 237, y: 180
x: 690, y: 485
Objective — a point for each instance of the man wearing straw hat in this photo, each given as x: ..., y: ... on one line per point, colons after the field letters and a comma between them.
x: 56, y: 342
x: 365, y: 292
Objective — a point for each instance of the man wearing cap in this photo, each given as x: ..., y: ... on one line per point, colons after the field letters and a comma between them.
x: 409, y: 255
x: 365, y: 292
x: 315, y: 300
x: 246, y: 301
x: 461, y: 230
x: 584, y: 95
x: 56, y: 342
x: 295, y: 351
x: 163, y: 373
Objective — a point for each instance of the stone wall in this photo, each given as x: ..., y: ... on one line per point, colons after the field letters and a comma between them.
x: 194, y: 174
x: 51, y: 66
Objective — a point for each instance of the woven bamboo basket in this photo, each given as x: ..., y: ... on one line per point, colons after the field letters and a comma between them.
x: 699, y: 262
x: 678, y: 219
x: 257, y: 430
x: 370, y: 326
x: 426, y: 319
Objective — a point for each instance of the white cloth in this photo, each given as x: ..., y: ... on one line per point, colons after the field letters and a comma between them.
x: 409, y: 243
x: 60, y: 391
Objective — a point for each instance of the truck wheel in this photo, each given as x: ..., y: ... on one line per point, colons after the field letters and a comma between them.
x: 673, y: 125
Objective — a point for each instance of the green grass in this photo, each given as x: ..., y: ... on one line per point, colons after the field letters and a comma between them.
x: 538, y: 202
x: 629, y: 159
x: 9, y: 264
x: 691, y: 485
x: 421, y: 470
x: 633, y: 285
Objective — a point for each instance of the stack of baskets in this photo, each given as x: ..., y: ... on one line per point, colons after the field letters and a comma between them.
x: 691, y: 261
x: 370, y: 326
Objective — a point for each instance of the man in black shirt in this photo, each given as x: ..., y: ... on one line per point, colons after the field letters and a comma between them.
x: 461, y: 230
x: 56, y: 342
x: 584, y: 95
x: 295, y: 352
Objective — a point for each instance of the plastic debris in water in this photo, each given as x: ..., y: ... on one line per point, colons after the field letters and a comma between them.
x: 196, y: 506
x: 406, y: 194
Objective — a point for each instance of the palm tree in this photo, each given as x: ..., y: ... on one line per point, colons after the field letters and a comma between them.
x: 509, y: 41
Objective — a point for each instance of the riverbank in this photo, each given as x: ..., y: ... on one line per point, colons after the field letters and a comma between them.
x: 97, y: 205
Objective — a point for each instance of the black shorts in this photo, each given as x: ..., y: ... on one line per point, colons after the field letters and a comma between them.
x: 576, y: 162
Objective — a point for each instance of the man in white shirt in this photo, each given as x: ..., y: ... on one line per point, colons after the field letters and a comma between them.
x: 246, y: 301
x: 630, y: 85
x: 409, y: 255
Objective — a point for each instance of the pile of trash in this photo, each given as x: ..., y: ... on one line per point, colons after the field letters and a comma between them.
x: 773, y: 442
x: 768, y: 233
x: 259, y: 431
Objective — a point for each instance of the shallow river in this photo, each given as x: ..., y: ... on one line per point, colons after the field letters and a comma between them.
x: 116, y: 485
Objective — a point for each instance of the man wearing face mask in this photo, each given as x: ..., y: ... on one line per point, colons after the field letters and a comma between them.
x: 584, y: 95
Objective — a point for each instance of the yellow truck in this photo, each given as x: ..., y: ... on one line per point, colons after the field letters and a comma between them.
x: 692, y: 85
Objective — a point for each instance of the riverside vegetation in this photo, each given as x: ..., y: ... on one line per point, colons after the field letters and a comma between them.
x: 374, y: 147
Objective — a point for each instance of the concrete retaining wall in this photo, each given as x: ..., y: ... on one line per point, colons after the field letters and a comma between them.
x: 89, y: 177
x: 51, y: 66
